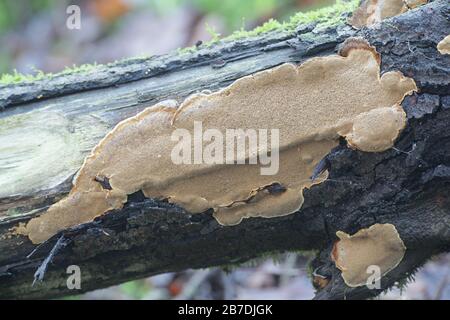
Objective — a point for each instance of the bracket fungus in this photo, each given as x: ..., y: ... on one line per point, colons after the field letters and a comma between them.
x: 380, y: 246
x: 444, y: 45
x: 374, y: 11
x: 306, y: 108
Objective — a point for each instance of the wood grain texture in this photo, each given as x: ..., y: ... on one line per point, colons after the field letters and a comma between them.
x: 407, y: 186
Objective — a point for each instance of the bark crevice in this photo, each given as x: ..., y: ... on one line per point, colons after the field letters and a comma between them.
x: 407, y: 186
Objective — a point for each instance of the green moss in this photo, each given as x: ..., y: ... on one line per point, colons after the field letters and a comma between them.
x: 270, y: 25
x: 131, y: 59
x: 325, y: 17
x: 215, y: 37
x: 17, y: 77
x: 186, y: 50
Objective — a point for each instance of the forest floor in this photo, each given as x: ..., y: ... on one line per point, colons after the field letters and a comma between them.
x: 282, y: 278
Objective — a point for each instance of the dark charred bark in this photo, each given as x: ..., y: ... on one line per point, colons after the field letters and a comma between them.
x: 408, y: 186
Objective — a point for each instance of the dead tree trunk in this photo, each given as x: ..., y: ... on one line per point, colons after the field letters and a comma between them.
x: 408, y: 186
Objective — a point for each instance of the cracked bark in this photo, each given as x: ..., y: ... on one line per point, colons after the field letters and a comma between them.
x: 407, y: 186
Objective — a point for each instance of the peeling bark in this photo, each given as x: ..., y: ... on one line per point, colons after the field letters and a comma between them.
x: 407, y: 186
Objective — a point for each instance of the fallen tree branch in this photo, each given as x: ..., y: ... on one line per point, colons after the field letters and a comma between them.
x: 407, y: 186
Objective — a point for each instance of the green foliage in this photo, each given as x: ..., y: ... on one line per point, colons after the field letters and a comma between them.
x: 234, y: 11
x: 136, y: 290
x: 231, y: 10
x: 12, y: 13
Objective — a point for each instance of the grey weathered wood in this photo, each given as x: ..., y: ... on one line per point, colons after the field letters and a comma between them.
x: 43, y: 141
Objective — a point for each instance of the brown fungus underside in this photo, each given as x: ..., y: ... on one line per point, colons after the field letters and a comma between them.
x: 311, y: 105
x: 374, y: 11
x: 379, y: 246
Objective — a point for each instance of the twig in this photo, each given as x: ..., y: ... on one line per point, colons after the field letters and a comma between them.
x: 40, y: 272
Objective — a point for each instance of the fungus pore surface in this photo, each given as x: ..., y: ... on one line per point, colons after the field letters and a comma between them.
x: 444, y: 45
x: 311, y: 105
x: 380, y: 246
x: 374, y: 11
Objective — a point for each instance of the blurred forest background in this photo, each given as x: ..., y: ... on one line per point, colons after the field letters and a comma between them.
x: 33, y: 36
